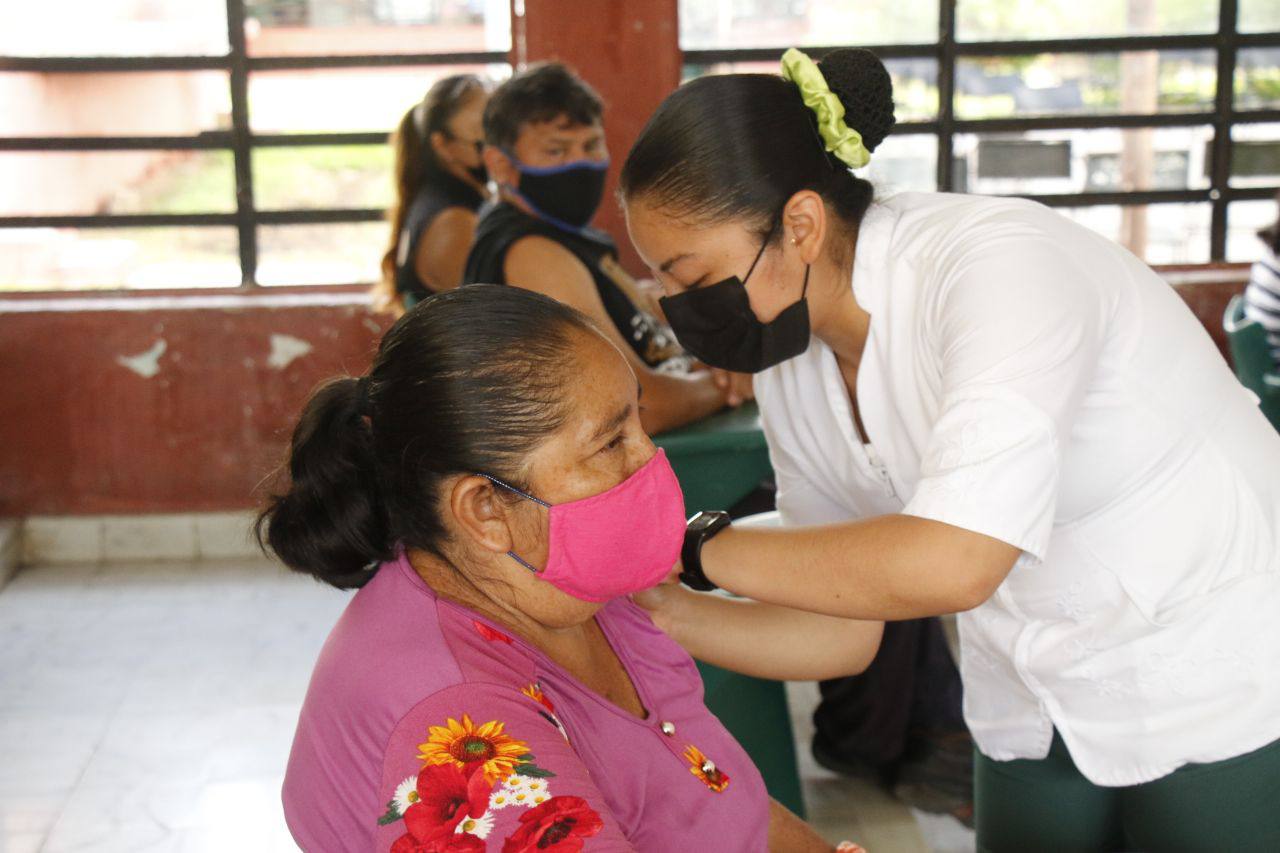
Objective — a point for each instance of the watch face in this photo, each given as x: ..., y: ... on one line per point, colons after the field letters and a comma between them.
x: 704, y: 520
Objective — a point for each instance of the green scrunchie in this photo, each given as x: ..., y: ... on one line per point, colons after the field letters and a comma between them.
x: 840, y: 139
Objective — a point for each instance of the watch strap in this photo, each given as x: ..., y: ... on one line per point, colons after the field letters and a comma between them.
x: 700, y: 528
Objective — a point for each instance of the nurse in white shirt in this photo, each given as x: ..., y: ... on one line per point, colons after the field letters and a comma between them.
x: 975, y: 406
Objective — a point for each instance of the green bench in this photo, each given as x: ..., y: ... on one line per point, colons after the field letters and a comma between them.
x: 720, y: 461
x: 1252, y: 357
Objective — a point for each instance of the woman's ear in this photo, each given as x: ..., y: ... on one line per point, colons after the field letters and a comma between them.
x: 500, y: 167
x: 804, y: 222
x: 480, y: 514
x: 439, y: 144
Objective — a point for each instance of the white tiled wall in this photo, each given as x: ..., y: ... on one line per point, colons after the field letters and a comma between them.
x: 10, y: 548
x: 116, y: 538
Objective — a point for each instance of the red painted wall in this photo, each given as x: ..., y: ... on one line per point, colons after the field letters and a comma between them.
x: 629, y: 50
x: 81, y: 432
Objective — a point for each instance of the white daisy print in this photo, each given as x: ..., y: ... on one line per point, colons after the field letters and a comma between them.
x: 538, y: 791
x: 406, y: 794
x: 500, y: 799
x: 480, y: 827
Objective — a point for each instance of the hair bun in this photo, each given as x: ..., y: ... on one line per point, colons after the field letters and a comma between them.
x: 862, y: 83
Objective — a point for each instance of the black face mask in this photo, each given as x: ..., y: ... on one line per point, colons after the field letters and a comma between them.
x: 480, y: 173
x: 717, y: 325
x: 567, y: 196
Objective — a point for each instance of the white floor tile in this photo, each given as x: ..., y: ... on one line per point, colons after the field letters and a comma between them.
x: 21, y: 842
x: 28, y: 814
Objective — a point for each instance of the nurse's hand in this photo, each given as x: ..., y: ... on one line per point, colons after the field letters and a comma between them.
x: 661, y: 602
x: 737, y: 388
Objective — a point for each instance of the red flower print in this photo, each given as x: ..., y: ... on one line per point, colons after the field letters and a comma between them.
x: 558, y: 825
x: 444, y: 844
x: 446, y: 796
x: 490, y: 634
x: 706, y: 770
x: 534, y: 692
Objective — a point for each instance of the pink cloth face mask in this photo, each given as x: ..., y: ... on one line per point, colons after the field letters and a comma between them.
x: 617, y: 542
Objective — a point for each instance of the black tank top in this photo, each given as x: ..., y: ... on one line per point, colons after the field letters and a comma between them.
x: 441, y: 192
x: 502, y: 224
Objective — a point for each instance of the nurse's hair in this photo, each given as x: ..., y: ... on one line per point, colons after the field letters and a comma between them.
x: 471, y: 380
x: 738, y: 146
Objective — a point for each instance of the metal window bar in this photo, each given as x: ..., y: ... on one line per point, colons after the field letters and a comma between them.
x: 1223, y: 102
x: 242, y: 145
x: 946, y: 53
x: 241, y: 141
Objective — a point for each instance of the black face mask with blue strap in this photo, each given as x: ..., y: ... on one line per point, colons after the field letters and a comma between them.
x: 568, y: 195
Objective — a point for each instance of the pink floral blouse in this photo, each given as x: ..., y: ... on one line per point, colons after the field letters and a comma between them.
x: 427, y: 728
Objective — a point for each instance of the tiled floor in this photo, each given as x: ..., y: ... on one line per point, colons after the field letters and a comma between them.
x: 150, y: 708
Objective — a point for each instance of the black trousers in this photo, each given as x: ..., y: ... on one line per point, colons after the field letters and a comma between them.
x: 911, y: 689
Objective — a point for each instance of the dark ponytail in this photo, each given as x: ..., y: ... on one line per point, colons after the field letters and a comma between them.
x: 468, y: 381
x: 417, y: 165
x: 737, y: 146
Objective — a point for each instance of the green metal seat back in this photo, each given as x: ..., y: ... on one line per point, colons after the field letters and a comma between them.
x: 1252, y: 356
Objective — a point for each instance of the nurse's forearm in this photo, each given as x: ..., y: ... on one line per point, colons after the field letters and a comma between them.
x: 885, y: 568
x: 764, y: 640
x: 789, y: 834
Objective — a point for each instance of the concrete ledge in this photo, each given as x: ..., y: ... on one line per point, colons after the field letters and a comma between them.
x: 112, y: 538
x: 10, y: 549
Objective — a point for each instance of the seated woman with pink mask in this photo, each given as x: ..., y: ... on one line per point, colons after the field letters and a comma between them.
x: 490, y: 687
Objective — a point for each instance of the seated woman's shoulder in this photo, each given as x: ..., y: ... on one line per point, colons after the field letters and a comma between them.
x: 397, y: 642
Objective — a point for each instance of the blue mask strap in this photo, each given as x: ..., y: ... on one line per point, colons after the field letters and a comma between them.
x: 547, y: 217
x: 537, y: 171
x: 512, y: 554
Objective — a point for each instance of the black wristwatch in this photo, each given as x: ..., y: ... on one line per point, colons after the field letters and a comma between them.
x: 700, y: 528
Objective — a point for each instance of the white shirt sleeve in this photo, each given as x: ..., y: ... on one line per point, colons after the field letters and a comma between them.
x: 1017, y: 329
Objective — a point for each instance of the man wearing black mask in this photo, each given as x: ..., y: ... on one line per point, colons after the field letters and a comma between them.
x: 545, y: 149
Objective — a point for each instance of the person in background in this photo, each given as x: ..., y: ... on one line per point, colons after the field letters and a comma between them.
x: 546, y: 152
x: 440, y: 184
x: 491, y: 687
x: 1262, y: 296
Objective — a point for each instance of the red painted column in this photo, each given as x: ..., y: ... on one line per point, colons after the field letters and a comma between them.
x: 629, y: 50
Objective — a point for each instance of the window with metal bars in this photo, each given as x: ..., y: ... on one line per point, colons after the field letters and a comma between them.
x: 240, y: 143
x: 1156, y: 122
x: 215, y: 143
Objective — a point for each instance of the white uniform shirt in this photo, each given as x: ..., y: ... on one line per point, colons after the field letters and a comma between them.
x: 1027, y: 379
